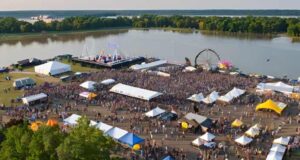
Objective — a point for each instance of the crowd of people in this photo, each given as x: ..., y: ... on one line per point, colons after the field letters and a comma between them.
x: 128, y: 113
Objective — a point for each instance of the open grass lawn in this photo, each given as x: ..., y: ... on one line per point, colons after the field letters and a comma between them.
x: 76, y: 67
x: 5, y: 98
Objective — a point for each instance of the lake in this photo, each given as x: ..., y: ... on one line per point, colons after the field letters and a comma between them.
x: 277, y: 56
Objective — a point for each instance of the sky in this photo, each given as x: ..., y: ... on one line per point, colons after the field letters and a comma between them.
x: 145, y: 4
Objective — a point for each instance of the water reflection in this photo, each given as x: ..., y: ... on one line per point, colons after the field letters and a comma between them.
x: 67, y: 37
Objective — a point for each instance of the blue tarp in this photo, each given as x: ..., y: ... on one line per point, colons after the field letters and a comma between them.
x: 131, y: 139
x: 169, y: 158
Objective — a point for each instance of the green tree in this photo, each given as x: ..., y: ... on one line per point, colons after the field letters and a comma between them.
x: 44, y: 143
x: 85, y: 143
x: 16, y: 143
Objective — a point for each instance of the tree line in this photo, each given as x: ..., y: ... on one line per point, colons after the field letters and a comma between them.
x: 264, y: 25
x: 20, y: 142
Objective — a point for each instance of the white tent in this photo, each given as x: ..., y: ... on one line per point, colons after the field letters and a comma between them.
x: 134, y: 92
x: 198, y: 118
x: 211, y: 98
x: 32, y: 98
x: 278, y: 148
x: 282, y: 140
x: 189, y: 68
x: 88, y: 85
x: 243, y: 140
x: 108, y: 81
x: 278, y: 86
x: 274, y: 156
x: 163, y: 74
x: 52, y: 68
x: 234, y: 93
x: 84, y: 94
x: 148, y: 65
x: 196, y: 97
x: 252, y: 132
x: 207, y: 137
x: 103, y: 127
x: 72, y: 120
x: 116, y: 133
x: 197, y: 142
x: 93, y: 123
x: 155, y: 112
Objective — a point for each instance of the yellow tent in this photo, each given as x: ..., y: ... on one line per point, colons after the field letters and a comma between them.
x: 271, y: 105
x: 92, y: 96
x: 35, y: 125
x: 136, y: 147
x: 184, y: 125
x: 237, y: 123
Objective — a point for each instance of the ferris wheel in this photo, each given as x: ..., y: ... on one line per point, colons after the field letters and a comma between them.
x: 207, y: 59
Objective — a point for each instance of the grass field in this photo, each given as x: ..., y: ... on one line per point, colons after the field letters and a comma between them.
x: 5, y: 98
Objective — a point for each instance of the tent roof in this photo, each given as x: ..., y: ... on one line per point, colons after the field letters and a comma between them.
x: 198, y: 118
x: 207, y: 137
x: 278, y: 148
x: 53, y: 65
x: 211, y: 98
x: 269, y: 104
x: 197, y: 142
x: 134, y: 92
x: 131, y: 139
x: 234, y: 93
x: 88, y: 85
x: 196, y: 97
x: 282, y: 140
x: 274, y: 156
x: 252, y: 132
x: 72, y: 120
x: 34, y: 97
x: 236, y: 123
x: 243, y: 140
x: 108, y: 81
x: 155, y: 112
x: 148, y: 65
x: 278, y: 86
x: 116, y: 133
x: 103, y: 127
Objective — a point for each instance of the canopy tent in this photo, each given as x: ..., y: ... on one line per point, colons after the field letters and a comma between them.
x: 90, y: 85
x: 93, y: 123
x: 148, y: 65
x: 88, y: 95
x: 237, y: 123
x: 257, y: 126
x: 243, y: 140
x: 282, y: 140
x: 72, y: 120
x: 52, y: 122
x: 278, y: 86
x: 23, y: 82
x: 201, y: 120
x: 211, y: 98
x: 207, y: 137
x: 197, y: 142
x: 163, y: 74
x: 108, y: 81
x: 52, y: 68
x: 134, y: 92
x: 271, y: 105
x: 234, y: 93
x: 274, y: 156
x: 190, y: 68
x: 116, y: 133
x: 196, y: 97
x: 28, y: 100
x: 131, y: 139
x: 252, y: 132
x: 155, y: 112
x: 278, y: 148
x: 169, y: 158
x: 103, y: 127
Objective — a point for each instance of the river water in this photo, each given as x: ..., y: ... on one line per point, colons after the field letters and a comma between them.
x: 277, y: 56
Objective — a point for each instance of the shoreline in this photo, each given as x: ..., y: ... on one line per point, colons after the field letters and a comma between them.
x: 19, y: 36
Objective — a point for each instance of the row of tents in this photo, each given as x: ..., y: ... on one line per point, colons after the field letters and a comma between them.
x: 278, y: 148
x: 214, y: 96
x: 116, y: 133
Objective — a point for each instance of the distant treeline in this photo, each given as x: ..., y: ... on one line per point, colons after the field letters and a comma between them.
x: 264, y: 25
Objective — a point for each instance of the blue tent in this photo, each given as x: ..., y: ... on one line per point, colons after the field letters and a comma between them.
x: 169, y: 158
x: 131, y: 139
